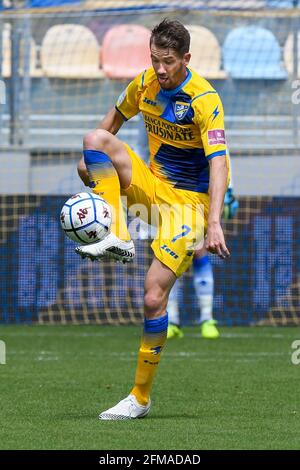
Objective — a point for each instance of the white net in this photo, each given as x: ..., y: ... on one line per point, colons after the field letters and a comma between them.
x: 63, y: 66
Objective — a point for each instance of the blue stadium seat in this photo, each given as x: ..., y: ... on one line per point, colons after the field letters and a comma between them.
x: 280, y: 3
x: 253, y: 52
x: 49, y: 3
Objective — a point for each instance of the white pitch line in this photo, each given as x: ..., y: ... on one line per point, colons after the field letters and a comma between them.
x: 57, y: 334
x: 104, y: 334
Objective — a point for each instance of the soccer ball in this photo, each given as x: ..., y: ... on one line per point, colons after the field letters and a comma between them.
x: 85, y: 218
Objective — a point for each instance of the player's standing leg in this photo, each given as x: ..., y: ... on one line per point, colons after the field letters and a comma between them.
x: 203, y: 281
x: 159, y: 281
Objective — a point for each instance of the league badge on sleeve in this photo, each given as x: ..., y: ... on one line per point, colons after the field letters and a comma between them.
x: 216, y: 137
x: 180, y: 109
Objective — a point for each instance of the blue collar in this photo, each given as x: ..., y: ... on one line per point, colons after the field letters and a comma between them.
x: 177, y: 89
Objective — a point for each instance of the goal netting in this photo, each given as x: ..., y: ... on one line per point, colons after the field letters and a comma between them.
x: 63, y: 65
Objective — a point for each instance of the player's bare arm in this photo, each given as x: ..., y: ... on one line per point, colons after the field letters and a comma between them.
x: 215, y: 242
x: 112, y: 122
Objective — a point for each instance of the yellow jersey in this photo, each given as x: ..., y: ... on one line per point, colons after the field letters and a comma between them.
x: 185, y: 127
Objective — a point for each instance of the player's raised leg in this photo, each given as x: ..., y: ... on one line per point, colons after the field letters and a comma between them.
x: 158, y: 283
x: 109, y: 168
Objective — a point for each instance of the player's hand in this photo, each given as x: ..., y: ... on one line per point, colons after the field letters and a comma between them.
x: 231, y: 205
x: 215, y: 241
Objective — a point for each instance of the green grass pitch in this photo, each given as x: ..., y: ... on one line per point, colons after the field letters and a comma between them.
x: 238, y: 392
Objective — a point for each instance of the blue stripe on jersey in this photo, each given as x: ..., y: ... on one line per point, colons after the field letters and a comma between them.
x: 170, y: 102
x: 168, y: 113
x: 216, y: 154
x: 202, y: 94
x: 185, y: 168
x: 143, y: 78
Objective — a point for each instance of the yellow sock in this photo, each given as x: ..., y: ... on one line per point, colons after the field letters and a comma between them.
x: 153, y: 340
x: 105, y: 182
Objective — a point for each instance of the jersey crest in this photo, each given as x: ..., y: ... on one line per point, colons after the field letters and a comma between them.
x: 180, y: 109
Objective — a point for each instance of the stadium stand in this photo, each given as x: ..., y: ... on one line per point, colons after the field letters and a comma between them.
x: 50, y: 3
x: 70, y: 51
x: 289, y: 55
x: 7, y: 54
x: 6, y: 51
x: 253, y: 52
x: 205, y: 60
x: 125, y: 51
x: 37, y: 171
x: 281, y: 3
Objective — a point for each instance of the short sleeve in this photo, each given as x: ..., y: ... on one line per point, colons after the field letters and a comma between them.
x: 128, y: 102
x: 209, y: 115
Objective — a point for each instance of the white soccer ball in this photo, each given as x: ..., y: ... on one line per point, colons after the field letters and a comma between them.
x: 85, y: 218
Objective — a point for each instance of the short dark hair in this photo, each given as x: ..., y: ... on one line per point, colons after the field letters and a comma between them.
x: 171, y: 34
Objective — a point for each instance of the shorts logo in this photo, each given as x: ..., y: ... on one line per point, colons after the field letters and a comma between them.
x: 216, y: 137
x: 180, y: 109
x: 168, y: 250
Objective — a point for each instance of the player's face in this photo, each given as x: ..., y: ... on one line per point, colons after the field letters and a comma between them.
x: 169, y: 67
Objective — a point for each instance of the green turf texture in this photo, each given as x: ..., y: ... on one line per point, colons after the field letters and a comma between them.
x: 238, y: 392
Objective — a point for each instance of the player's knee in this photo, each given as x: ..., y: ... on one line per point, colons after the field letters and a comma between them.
x: 96, y: 140
x: 154, y: 303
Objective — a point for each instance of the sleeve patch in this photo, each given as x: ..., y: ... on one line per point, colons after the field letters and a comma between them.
x: 216, y: 137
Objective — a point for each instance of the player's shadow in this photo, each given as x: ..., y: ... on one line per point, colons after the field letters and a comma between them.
x: 170, y: 416
x: 92, y: 416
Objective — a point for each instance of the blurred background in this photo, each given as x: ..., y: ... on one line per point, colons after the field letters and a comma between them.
x: 63, y: 65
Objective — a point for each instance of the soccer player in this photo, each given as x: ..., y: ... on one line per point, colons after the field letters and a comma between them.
x: 203, y: 277
x: 184, y: 119
x: 203, y: 280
